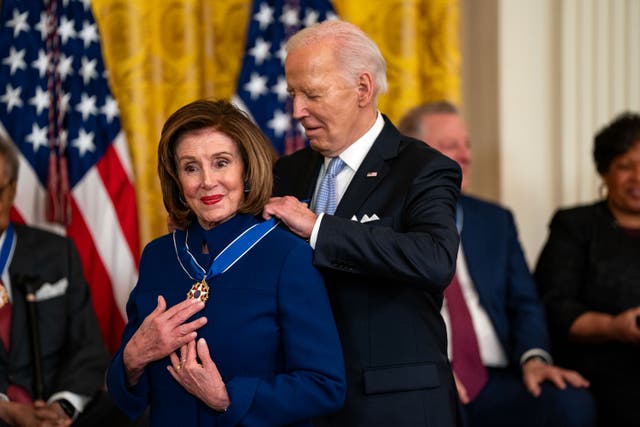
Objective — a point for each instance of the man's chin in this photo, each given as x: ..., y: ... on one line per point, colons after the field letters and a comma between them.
x: 316, y: 144
x: 321, y: 147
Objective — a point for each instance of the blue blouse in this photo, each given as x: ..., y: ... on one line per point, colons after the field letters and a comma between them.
x: 270, y: 332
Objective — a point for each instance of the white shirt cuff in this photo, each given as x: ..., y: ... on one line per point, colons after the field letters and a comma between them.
x: 536, y: 352
x: 78, y: 401
x: 314, y: 232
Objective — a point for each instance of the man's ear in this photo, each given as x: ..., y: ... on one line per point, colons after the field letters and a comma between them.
x: 365, y: 89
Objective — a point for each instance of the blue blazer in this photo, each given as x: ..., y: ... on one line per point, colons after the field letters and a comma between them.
x: 270, y: 332
x: 502, y: 278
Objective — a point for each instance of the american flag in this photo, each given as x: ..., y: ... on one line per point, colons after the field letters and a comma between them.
x: 262, y: 88
x: 75, y: 173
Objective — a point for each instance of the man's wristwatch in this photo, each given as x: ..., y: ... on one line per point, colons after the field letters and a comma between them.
x: 67, y: 407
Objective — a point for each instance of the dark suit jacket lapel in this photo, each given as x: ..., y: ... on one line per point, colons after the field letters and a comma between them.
x: 472, y: 246
x: 372, y: 171
x: 20, y: 334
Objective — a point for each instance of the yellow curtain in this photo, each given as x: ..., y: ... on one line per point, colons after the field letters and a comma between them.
x: 163, y: 54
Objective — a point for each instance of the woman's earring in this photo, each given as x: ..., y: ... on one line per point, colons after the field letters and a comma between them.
x: 603, y: 190
x: 246, y: 186
x: 182, y: 200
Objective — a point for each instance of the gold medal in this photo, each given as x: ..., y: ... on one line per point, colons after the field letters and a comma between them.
x: 199, y: 291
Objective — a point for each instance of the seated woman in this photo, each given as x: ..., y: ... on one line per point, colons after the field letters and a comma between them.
x: 589, y: 276
x: 229, y: 323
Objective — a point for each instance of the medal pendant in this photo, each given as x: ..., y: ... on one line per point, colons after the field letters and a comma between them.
x: 199, y: 291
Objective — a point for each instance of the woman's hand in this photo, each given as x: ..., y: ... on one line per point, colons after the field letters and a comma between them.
x: 202, y: 380
x: 625, y: 327
x: 161, y: 333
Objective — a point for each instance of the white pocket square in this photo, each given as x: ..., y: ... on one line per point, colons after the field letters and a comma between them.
x: 52, y: 290
x: 365, y: 218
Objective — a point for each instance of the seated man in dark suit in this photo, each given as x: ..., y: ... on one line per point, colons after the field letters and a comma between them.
x: 506, y: 378
x: 72, y: 356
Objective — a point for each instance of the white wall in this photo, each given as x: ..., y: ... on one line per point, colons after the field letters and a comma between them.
x: 539, y: 78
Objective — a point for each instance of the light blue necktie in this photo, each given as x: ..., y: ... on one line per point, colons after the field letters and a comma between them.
x: 326, y: 198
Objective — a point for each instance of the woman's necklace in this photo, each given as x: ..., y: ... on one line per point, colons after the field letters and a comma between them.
x: 235, y: 250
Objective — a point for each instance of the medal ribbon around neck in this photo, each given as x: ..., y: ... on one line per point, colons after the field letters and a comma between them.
x: 235, y: 250
x: 5, y: 250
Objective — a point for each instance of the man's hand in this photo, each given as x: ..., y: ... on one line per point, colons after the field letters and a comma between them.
x: 51, y: 415
x: 293, y: 213
x: 38, y: 414
x: 462, y: 391
x: 161, y: 333
x: 535, y: 372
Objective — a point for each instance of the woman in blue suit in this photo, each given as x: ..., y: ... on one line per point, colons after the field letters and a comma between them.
x: 229, y: 323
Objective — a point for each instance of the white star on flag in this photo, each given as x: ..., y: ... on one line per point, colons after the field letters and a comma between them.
x: 18, y: 23
x: 87, y: 106
x: 260, y: 51
x: 37, y: 137
x: 12, y: 97
x: 280, y: 123
x: 41, y: 63
x: 280, y: 89
x: 88, y: 34
x: 262, y: 88
x: 40, y: 100
x: 290, y: 16
x: 42, y: 26
x: 84, y: 142
x: 65, y: 67
x: 264, y: 16
x: 88, y: 70
x: 15, y: 60
x: 66, y: 29
x: 110, y: 109
x: 53, y: 90
x: 256, y: 86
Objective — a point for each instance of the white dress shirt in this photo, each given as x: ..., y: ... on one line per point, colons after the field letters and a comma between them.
x: 491, y: 351
x: 353, y: 157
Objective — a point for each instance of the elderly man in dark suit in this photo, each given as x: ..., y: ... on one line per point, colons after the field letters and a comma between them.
x: 522, y: 386
x: 381, y: 221
x: 73, y: 358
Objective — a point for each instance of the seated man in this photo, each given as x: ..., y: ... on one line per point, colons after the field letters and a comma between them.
x: 498, y: 338
x: 72, y: 355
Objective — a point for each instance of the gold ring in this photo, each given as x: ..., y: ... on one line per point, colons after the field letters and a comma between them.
x: 179, y: 367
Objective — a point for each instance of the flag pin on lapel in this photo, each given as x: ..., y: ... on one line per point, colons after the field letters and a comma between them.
x: 372, y: 174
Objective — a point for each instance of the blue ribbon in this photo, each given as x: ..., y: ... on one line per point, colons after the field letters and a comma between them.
x: 235, y: 250
x: 6, y: 247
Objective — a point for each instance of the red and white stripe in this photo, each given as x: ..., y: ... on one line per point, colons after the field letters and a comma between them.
x: 104, y: 227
